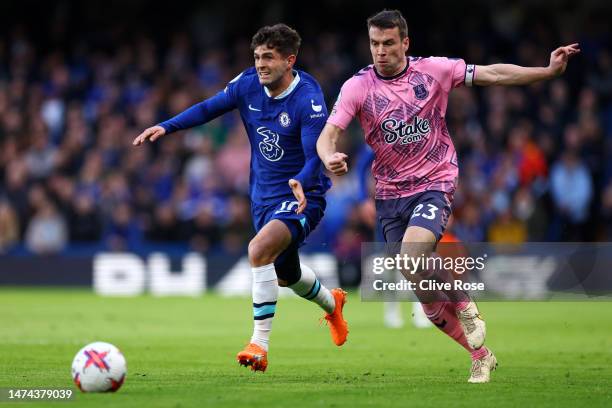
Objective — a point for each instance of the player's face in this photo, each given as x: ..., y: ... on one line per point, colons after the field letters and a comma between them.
x: 388, y: 50
x: 271, y: 66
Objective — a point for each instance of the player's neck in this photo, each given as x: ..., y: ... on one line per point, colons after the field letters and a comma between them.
x: 281, y: 86
x: 402, y: 68
x: 396, y: 73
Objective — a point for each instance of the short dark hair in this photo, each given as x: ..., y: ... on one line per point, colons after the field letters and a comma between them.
x: 389, y: 19
x: 280, y: 37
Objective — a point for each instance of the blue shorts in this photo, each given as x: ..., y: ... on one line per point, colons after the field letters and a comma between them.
x: 300, y: 225
x: 429, y: 210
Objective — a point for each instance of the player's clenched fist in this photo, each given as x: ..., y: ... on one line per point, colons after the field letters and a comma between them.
x: 336, y: 163
x: 153, y: 133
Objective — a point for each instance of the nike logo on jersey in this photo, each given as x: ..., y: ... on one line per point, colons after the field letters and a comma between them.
x: 254, y: 109
x: 316, y: 108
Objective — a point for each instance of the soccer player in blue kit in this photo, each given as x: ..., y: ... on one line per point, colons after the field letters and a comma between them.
x: 283, y: 111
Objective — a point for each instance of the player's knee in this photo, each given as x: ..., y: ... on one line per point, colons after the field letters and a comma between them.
x: 259, y: 253
x: 282, y: 282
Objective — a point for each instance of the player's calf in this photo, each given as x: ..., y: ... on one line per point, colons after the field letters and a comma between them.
x: 310, y: 288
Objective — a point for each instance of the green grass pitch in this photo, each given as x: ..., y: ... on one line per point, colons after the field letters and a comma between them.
x: 181, y: 353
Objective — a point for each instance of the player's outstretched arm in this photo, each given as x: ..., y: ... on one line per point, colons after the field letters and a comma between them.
x: 200, y: 113
x: 508, y: 74
x: 333, y: 160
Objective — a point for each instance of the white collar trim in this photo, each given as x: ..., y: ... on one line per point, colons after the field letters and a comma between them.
x: 290, y: 88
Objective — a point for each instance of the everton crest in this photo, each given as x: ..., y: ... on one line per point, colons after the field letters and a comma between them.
x: 420, y: 92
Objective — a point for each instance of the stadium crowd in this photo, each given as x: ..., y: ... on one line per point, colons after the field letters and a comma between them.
x: 534, y: 161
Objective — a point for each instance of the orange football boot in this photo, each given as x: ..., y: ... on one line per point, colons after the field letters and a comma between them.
x: 254, y: 356
x: 338, y: 327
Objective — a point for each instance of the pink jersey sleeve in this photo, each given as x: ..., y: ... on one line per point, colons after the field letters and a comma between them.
x: 348, y: 103
x: 449, y: 72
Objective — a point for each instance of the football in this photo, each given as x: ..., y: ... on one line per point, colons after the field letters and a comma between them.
x: 99, y: 367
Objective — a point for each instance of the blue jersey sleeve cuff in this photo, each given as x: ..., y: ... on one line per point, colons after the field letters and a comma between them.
x: 166, y: 127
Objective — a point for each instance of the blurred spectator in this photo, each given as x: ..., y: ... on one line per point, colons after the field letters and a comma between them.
x: 507, y: 229
x: 530, y: 161
x: 61, y: 191
x: 233, y: 160
x: 123, y: 231
x: 572, y: 190
x: 601, y: 77
x: 238, y: 229
x: 41, y: 157
x: 85, y: 220
x: 532, y: 213
x: 9, y: 226
x: 15, y: 188
x: 200, y: 165
x: 606, y: 204
x: 164, y: 227
x: 47, y: 232
x: 205, y: 231
x: 469, y: 226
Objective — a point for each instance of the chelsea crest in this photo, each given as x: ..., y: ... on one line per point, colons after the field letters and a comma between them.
x: 284, y: 119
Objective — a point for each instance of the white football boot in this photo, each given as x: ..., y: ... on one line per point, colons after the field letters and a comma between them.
x: 481, y: 369
x: 473, y: 326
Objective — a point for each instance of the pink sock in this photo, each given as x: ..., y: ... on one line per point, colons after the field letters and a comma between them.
x: 444, y: 316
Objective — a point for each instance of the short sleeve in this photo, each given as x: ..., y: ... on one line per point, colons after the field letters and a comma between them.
x: 450, y: 72
x: 348, y: 104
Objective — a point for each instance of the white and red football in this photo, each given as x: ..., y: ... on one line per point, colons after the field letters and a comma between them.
x: 99, y: 367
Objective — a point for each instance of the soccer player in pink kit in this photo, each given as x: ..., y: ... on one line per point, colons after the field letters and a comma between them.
x: 401, y: 105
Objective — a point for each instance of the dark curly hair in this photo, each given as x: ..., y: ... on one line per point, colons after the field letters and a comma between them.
x: 280, y: 37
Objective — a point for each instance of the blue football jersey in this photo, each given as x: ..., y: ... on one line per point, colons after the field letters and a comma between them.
x: 282, y: 131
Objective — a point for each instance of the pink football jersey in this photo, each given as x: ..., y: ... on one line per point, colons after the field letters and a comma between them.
x: 403, y: 118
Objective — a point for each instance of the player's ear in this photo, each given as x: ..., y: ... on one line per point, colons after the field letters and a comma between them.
x: 291, y: 60
x: 406, y: 44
